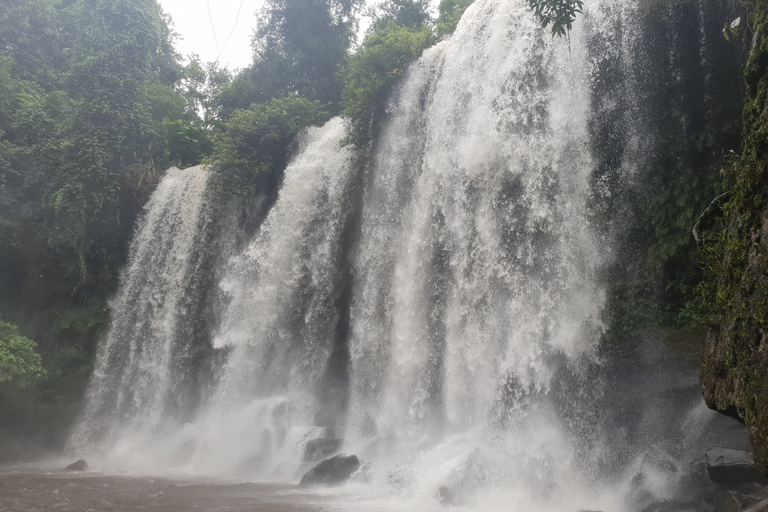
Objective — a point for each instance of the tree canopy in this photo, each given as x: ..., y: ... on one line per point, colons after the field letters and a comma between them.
x: 91, y: 111
x: 298, y: 47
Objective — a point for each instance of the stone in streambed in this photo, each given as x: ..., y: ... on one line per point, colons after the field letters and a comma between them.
x: 80, y: 465
x: 732, y: 467
x: 321, y: 447
x: 333, y: 471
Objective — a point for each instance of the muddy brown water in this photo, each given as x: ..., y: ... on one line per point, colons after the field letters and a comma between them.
x: 32, y: 491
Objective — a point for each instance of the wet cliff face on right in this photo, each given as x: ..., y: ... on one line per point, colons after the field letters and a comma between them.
x: 734, y: 377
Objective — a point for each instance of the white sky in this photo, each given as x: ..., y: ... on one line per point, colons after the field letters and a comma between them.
x: 196, y: 29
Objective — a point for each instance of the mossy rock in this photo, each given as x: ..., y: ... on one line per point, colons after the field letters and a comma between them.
x: 734, y: 377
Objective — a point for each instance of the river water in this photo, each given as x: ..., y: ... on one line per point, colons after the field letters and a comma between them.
x: 36, y: 488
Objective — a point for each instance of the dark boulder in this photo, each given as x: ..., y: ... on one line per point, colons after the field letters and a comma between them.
x: 333, y: 471
x: 732, y: 467
x: 80, y: 465
x: 320, y: 448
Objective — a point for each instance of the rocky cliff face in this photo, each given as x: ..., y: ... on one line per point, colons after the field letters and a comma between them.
x: 734, y: 377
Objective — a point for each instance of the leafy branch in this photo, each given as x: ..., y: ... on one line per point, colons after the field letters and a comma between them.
x: 559, y: 14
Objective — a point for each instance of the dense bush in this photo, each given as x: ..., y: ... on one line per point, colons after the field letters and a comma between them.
x: 253, y: 145
x: 20, y: 365
x: 393, y: 43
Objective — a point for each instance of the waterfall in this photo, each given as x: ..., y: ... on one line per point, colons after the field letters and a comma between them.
x: 477, y: 264
x: 275, y: 334
x: 279, y: 326
x: 141, y: 385
x: 433, y: 306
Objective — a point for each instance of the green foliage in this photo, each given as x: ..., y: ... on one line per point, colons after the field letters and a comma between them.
x: 185, y: 145
x: 30, y: 36
x: 412, y: 14
x: 450, y: 12
x: 20, y: 365
x: 253, y: 144
x: 374, y: 69
x: 88, y: 110
x: 201, y: 86
x: 89, y: 317
x: 729, y: 243
x: 298, y: 49
x: 559, y: 14
x: 731, y: 29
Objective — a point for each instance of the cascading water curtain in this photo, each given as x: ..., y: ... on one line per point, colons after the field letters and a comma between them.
x: 140, y: 388
x: 476, y: 287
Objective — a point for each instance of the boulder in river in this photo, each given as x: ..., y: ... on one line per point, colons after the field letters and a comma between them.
x: 321, y: 447
x: 333, y: 471
x: 80, y: 465
x: 732, y: 467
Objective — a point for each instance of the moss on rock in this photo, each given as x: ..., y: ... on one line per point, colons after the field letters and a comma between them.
x: 734, y: 377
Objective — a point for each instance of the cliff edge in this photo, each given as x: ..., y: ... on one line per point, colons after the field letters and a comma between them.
x: 734, y: 377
